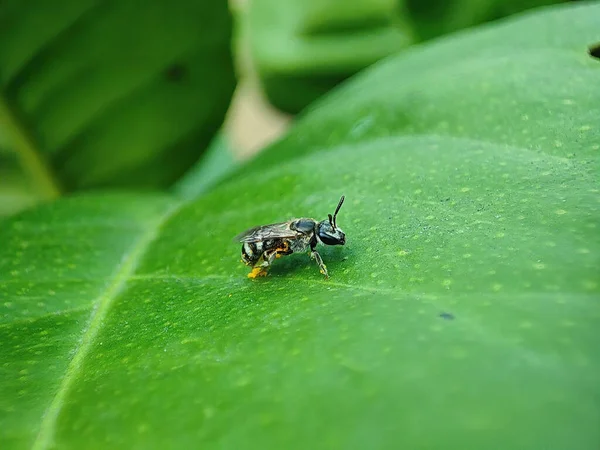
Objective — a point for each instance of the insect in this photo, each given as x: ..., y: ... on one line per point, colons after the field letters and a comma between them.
x: 262, y: 244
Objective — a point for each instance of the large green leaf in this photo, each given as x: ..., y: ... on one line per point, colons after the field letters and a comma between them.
x: 96, y: 94
x: 303, y: 48
x: 462, y: 313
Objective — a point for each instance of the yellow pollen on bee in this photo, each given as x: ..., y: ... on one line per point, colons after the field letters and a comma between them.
x: 280, y: 250
x: 257, y: 272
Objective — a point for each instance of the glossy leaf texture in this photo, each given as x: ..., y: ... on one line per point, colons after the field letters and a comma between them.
x: 303, y: 48
x: 462, y: 312
x: 112, y: 94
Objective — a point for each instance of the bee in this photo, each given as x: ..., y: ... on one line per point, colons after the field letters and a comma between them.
x: 263, y: 244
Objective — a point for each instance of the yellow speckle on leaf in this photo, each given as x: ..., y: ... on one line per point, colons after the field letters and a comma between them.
x: 465, y: 189
x: 539, y: 266
x: 560, y: 212
x: 496, y: 287
x: 242, y: 382
x: 458, y: 353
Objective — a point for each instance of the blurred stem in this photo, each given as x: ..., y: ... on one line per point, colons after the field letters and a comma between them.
x: 42, y: 180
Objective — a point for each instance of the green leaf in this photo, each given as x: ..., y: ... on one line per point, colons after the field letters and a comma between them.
x: 462, y: 312
x: 15, y: 193
x: 303, y: 48
x: 120, y: 94
x: 432, y: 18
x: 216, y: 164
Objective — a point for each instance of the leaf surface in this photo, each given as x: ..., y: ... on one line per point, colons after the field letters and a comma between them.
x: 461, y: 313
x: 104, y: 94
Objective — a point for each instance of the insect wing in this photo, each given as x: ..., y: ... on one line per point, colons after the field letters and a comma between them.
x: 274, y: 231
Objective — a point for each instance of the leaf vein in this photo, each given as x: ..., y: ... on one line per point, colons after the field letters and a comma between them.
x: 131, y: 259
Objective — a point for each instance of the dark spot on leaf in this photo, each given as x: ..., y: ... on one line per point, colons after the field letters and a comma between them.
x: 447, y: 316
x: 175, y: 72
x: 594, y: 50
x: 445, y: 199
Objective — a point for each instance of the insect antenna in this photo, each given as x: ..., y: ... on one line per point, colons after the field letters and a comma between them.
x: 336, y: 211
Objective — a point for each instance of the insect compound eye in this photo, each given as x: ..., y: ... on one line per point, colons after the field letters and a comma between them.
x: 329, y: 240
x: 332, y: 238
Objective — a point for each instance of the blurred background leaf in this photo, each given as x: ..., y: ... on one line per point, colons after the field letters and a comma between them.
x: 220, y: 160
x: 302, y: 48
x: 111, y: 94
x: 462, y: 312
x: 432, y: 18
x: 15, y: 191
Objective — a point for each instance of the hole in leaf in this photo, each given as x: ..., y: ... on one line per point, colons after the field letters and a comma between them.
x: 594, y: 50
x: 175, y: 72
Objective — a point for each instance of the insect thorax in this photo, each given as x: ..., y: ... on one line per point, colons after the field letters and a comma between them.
x: 304, y: 225
x: 300, y: 245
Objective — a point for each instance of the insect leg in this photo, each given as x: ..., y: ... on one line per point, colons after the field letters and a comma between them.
x: 283, y: 250
x: 261, y: 266
x: 322, y: 267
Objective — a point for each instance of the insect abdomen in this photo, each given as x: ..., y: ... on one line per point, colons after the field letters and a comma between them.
x: 252, y: 251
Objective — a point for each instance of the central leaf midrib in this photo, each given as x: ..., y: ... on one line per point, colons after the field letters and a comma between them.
x: 103, y: 304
